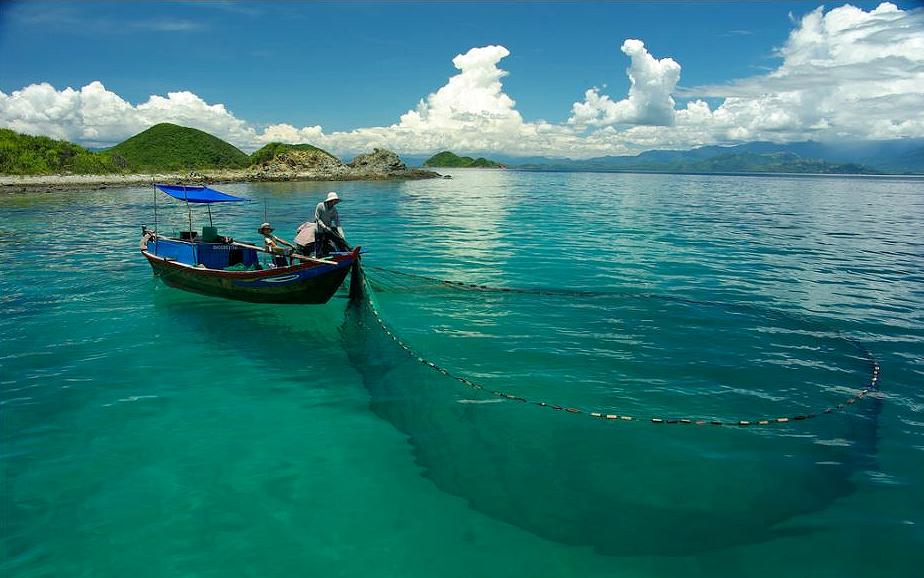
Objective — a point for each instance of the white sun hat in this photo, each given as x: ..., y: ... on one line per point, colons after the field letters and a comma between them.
x: 331, y: 196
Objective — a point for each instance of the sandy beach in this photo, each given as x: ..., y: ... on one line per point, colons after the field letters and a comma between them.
x: 19, y: 183
x: 24, y: 183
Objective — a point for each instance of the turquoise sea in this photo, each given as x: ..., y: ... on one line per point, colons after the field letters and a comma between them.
x: 147, y: 432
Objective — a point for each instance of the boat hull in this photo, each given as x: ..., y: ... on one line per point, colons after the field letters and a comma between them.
x: 300, y: 284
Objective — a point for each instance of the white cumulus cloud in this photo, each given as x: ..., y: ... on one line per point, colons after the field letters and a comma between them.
x: 289, y: 134
x: 473, y: 94
x: 652, y: 82
x: 470, y: 112
x: 846, y: 73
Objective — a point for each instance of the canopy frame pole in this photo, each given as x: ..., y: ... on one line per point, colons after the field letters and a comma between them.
x: 154, y: 187
x: 209, y: 207
x: 188, y: 211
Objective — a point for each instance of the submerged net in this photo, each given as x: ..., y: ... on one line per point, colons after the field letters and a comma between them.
x: 617, y: 345
x: 504, y: 396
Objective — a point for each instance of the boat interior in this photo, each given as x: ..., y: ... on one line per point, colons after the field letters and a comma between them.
x: 211, y: 251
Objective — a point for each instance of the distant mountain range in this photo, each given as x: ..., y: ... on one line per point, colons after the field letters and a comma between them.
x: 868, y: 157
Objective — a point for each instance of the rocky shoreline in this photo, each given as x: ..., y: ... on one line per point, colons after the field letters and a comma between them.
x: 290, y: 166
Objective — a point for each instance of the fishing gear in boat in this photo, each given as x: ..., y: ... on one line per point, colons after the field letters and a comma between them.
x: 339, y: 238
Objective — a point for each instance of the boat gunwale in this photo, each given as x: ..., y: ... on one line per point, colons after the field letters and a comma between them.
x: 340, y: 261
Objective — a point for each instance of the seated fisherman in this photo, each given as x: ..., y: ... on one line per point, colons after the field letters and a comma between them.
x: 274, y: 245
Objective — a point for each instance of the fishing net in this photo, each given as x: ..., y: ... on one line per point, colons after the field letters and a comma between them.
x: 515, y: 401
x: 626, y: 355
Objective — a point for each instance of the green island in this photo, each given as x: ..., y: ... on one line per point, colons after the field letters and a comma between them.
x: 169, y: 147
x: 163, y: 147
x: 180, y: 154
x: 448, y: 159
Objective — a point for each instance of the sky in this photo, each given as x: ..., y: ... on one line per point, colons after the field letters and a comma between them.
x: 578, y: 79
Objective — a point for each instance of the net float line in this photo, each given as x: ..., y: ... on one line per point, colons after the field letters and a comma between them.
x: 870, y: 386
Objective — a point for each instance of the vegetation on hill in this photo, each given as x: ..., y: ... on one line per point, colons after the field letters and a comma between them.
x: 22, y: 154
x: 169, y: 147
x: 273, y: 149
x: 448, y: 159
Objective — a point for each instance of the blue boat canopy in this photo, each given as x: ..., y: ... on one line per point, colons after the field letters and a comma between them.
x: 198, y: 194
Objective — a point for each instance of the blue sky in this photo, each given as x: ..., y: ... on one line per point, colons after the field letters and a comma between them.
x: 346, y: 66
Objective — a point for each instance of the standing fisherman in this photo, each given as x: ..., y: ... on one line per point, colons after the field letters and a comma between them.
x: 326, y: 228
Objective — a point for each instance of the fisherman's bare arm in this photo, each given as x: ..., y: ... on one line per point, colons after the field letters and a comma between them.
x: 283, y: 242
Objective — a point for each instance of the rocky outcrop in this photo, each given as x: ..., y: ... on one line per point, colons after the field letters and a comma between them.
x: 378, y: 161
x: 318, y: 165
x: 295, y: 162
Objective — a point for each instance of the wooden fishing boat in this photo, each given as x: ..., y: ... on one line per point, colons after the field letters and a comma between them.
x: 220, y: 267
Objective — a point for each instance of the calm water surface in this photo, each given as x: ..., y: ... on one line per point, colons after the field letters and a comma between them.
x: 149, y: 432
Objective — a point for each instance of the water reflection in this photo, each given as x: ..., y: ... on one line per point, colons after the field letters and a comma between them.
x: 473, y: 222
